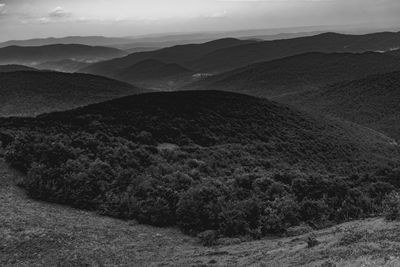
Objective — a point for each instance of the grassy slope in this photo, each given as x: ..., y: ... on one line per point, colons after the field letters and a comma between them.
x: 40, y: 234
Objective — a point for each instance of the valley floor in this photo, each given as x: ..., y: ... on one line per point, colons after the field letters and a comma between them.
x: 34, y: 233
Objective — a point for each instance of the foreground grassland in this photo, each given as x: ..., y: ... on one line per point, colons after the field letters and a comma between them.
x: 34, y: 233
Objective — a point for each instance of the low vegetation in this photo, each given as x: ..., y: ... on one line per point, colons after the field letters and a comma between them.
x: 212, y: 163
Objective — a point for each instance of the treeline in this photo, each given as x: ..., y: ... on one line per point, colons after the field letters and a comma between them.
x: 196, y: 188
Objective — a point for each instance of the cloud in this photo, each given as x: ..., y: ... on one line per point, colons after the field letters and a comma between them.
x: 59, y: 12
x: 2, y: 9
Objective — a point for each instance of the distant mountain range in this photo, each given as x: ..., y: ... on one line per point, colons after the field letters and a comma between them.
x: 239, y: 56
x: 177, y: 54
x: 298, y: 73
x: 32, y: 93
x: 229, y: 54
x: 83, y: 40
x: 36, y: 55
x: 372, y: 101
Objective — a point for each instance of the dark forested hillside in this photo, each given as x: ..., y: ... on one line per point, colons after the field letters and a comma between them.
x: 33, y: 55
x: 32, y: 93
x: 372, y: 101
x: 154, y: 74
x: 219, y: 162
x: 298, y: 73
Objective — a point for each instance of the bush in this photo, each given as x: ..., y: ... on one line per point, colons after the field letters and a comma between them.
x: 198, y: 208
x: 280, y: 214
x: 391, y: 206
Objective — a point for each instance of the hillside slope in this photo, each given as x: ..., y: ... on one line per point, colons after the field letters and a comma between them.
x: 210, y: 118
x: 33, y: 55
x: 34, y: 233
x: 298, y: 73
x: 214, y: 161
x: 240, y: 56
x: 372, y: 101
x: 32, y: 93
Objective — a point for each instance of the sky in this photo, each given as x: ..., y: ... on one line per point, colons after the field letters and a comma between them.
x: 24, y: 19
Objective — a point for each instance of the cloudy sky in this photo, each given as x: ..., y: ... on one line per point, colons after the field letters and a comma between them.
x: 21, y: 19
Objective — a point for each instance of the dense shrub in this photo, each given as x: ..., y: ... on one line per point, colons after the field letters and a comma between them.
x: 391, y: 206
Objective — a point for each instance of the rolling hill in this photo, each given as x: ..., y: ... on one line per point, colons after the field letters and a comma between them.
x: 180, y: 54
x: 298, y: 73
x: 203, y: 161
x: 34, y: 55
x: 240, y: 56
x: 213, y: 118
x: 12, y: 68
x: 372, y: 101
x: 33, y: 93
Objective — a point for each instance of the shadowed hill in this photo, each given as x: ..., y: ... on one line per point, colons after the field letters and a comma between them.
x: 372, y: 101
x: 209, y: 118
x: 240, y: 56
x: 298, y: 73
x: 32, y: 93
x: 38, y: 54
